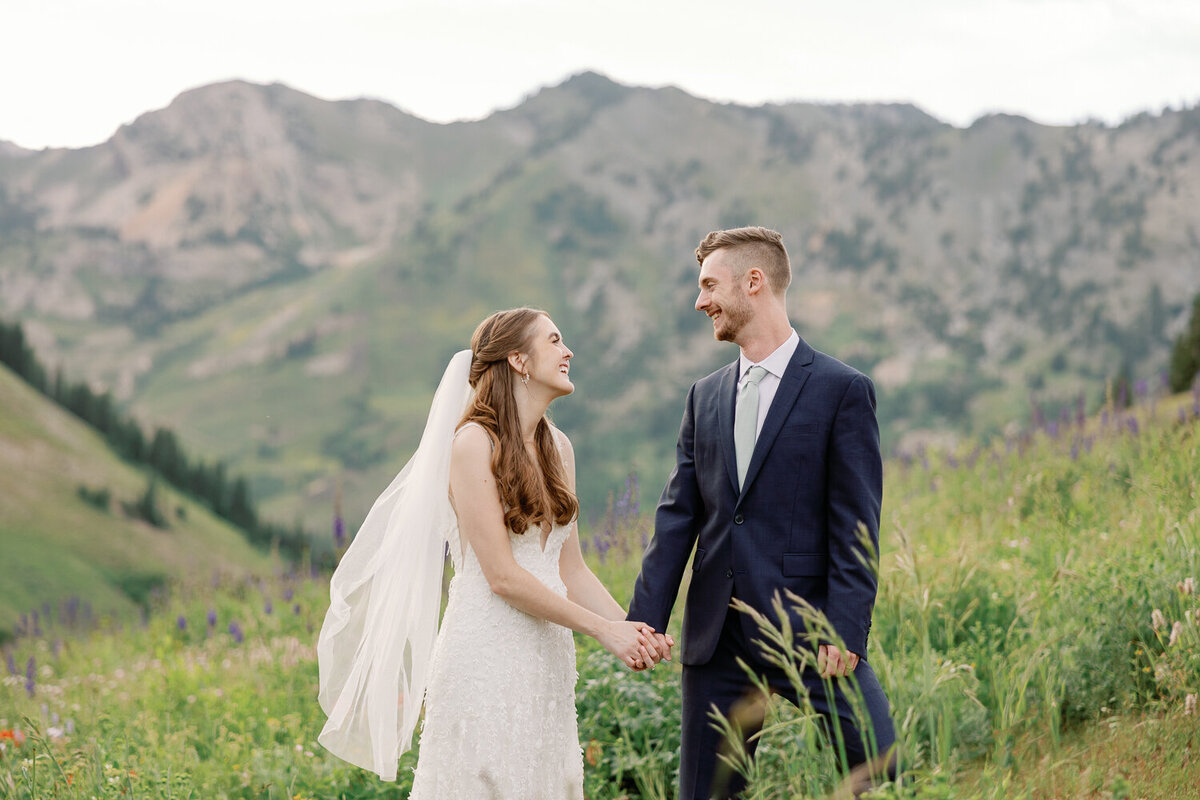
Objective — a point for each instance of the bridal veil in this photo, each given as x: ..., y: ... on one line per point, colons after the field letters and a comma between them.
x: 376, y: 643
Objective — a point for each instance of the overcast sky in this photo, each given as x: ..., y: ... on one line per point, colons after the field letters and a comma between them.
x: 72, y: 71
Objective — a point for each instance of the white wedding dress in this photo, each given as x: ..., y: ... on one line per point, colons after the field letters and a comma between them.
x: 500, y: 720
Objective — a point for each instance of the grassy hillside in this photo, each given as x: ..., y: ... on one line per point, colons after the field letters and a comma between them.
x: 1037, y: 633
x: 56, y: 546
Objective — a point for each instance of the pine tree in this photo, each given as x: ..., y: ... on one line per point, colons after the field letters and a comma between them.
x: 1185, y: 357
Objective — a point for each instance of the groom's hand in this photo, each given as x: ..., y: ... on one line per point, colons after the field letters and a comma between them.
x: 658, y: 649
x: 835, y: 663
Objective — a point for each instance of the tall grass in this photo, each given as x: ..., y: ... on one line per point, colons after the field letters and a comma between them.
x: 1033, y: 593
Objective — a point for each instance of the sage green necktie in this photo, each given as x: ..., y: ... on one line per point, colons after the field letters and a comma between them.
x: 745, y: 420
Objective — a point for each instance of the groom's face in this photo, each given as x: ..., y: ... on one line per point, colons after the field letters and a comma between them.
x: 722, y: 296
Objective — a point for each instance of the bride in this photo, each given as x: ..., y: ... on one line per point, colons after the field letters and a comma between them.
x: 493, y: 482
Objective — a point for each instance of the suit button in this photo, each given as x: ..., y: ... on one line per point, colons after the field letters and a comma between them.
x: 738, y: 519
x: 728, y: 573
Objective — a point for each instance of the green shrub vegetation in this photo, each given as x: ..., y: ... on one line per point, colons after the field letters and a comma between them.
x: 1037, y: 632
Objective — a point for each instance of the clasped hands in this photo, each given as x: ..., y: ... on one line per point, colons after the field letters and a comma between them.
x: 652, y: 648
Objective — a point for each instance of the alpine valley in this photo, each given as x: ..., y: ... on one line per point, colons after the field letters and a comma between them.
x: 280, y: 279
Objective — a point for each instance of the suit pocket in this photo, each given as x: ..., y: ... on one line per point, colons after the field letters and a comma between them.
x: 699, y: 557
x: 799, y: 565
x: 803, y: 429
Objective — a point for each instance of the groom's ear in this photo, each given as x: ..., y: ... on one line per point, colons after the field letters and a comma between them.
x: 756, y: 280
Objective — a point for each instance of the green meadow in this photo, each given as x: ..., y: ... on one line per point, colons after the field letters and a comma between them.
x: 1037, y: 631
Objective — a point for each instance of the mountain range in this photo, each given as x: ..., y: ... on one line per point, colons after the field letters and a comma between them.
x: 280, y: 279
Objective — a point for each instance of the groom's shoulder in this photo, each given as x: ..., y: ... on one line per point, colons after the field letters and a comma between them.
x: 712, y: 380
x: 832, y: 369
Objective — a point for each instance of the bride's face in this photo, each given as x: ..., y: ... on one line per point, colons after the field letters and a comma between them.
x: 549, y: 361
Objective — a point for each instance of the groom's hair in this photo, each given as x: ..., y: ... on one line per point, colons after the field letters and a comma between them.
x: 754, y: 246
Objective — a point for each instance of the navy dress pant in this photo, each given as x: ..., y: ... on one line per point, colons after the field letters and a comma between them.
x: 723, y: 682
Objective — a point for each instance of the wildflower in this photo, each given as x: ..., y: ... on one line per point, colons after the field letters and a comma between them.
x: 235, y: 631
x: 181, y: 622
x: 268, y: 608
x: 30, y: 673
x: 1176, y: 630
x: 1157, y: 620
x: 1189, y: 705
x: 10, y: 663
x: 13, y: 735
x: 1187, y: 586
x: 296, y: 609
x: 1133, y: 425
x: 592, y: 753
x: 288, y: 594
x: 212, y: 618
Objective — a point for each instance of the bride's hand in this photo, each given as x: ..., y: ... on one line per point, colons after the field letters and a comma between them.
x: 627, y: 642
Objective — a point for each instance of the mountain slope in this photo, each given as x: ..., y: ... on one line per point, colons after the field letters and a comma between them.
x: 55, y: 545
x: 280, y: 279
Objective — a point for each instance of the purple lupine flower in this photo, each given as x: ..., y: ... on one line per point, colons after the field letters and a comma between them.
x: 72, y: 610
x: 30, y: 674
x: 212, y: 618
x: 1122, y: 394
x: 235, y: 631
x: 1052, y: 430
x: 181, y: 622
x: 1141, y: 388
x: 268, y: 608
x: 296, y: 609
x: 10, y: 662
x: 1133, y: 425
x: 339, y: 530
x: 288, y: 594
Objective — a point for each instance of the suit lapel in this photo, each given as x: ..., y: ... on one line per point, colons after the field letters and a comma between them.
x: 793, y: 380
x: 726, y: 401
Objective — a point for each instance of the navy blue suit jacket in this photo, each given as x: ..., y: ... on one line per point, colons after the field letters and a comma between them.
x: 815, y: 476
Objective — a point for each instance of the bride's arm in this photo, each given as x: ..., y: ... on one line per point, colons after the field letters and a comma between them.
x: 582, y: 584
x: 481, y: 520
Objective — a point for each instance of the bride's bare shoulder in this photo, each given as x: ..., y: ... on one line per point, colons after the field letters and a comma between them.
x: 563, y: 441
x: 472, y: 443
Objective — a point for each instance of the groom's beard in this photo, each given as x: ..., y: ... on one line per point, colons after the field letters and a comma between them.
x: 734, y: 317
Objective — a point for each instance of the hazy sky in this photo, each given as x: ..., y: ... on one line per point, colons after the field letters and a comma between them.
x: 72, y: 71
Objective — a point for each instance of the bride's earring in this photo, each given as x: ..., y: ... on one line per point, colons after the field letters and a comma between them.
x: 525, y: 379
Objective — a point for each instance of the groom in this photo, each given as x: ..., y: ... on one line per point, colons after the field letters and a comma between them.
x: 777, y: 470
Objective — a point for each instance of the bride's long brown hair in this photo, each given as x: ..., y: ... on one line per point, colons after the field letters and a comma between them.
x: 531, y: 494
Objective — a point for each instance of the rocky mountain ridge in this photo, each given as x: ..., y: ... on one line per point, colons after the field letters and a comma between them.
x: 280, y: 278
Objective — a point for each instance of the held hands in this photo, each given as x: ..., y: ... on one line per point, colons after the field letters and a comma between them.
x: 835, y: 663
x: 635, y: 643
x: 662, y: 644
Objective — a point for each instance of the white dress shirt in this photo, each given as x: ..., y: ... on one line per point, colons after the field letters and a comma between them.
x: 774, y: 364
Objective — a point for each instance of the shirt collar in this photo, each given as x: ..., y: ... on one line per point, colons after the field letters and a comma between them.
x: 777, y: 362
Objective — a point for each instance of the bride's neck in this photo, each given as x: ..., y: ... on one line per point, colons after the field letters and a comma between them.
x: 529, y: 414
